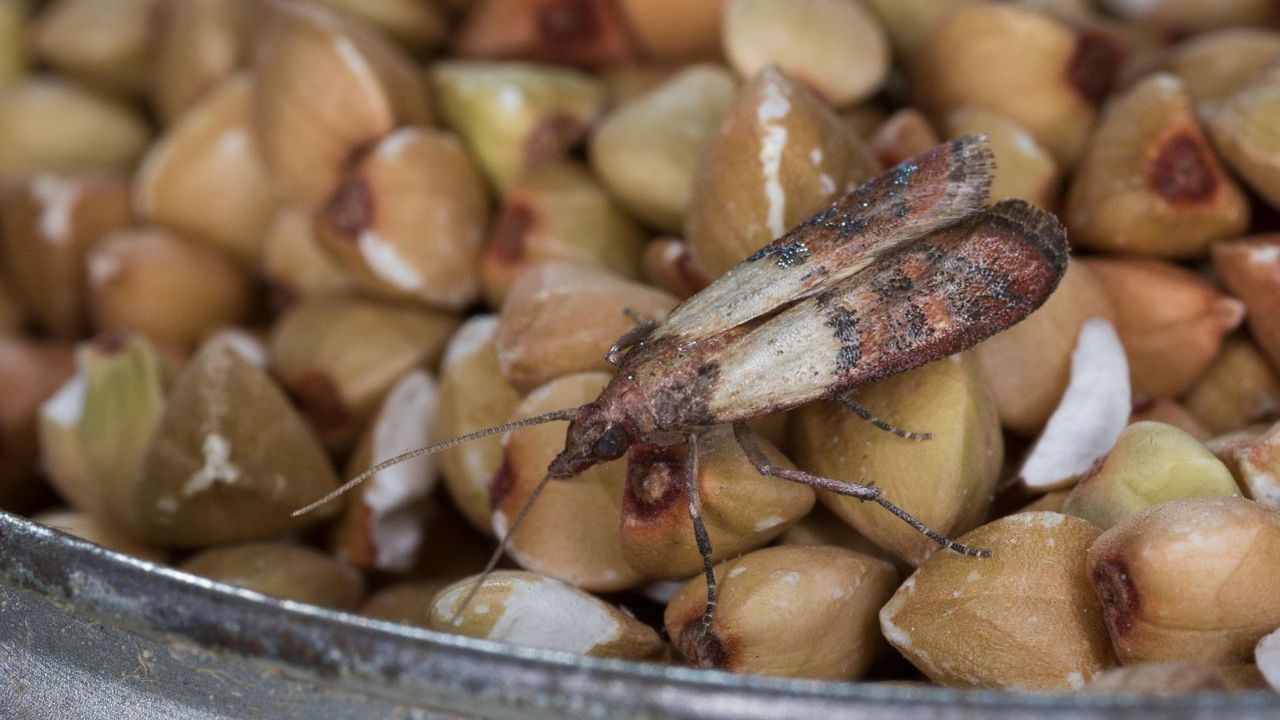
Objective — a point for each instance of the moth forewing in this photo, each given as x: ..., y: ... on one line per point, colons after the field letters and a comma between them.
x: 922, y: 302
x: 917, y: 197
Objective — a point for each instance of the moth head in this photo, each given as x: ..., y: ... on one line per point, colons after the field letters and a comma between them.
x: 593, y: 437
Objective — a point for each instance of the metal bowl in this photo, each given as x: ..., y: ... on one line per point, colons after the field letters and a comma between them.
x: 89, y: 633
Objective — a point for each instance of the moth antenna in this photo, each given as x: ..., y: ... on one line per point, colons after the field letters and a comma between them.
x: 500, y: 550
x: 565, y: 414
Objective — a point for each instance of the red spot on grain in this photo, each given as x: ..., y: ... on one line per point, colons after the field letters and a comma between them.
x: 1095, y: 468
x: 701, y: 645
x: 500, y: 484
x: 316, y: 395
x: 1095, y: 64
x: 690, y: 274
x: 1117, y: 593
x: 111, y: 342
x: 553, y: 136
x: 1181, y: 171
x: 349, y: 210
x: 508, y: 238
x: 569, y: 22
x: 280, y: 295
x: 360, y: 548
x: 655, y: 482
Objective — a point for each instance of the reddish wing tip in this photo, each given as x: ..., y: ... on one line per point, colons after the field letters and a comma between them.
x: 1040, y: 228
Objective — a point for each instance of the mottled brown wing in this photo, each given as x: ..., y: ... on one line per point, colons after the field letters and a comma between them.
x: 917, y: 197
x: 925, y: 301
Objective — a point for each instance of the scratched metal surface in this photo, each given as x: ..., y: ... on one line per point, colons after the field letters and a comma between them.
x: 87, y: 633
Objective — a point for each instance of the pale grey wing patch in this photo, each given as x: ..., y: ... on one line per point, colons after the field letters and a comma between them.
x: 789, y: 360
x: 746, y: 292
x: 915, y: 198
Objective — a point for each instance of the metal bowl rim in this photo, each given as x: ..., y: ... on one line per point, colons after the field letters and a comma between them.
x: 31, y: 539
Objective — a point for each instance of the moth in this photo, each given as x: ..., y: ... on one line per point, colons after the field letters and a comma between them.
x: 908, y: 268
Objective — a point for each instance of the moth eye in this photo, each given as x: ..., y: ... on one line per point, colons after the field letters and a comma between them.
x: 611, y: 444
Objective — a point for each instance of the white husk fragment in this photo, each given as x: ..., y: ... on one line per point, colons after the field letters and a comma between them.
x: 57, y: 197
x: 546, y: 613
x: 218, y: 466
x: 900, y: 637
x: 774, y: 107
x: 404, y: 424
x: 511, y: 98
x: 395, y: 143
x: 234, y: 142
x: 66, y: 407
x: 661, y: 591
x: 551, y: 614
x: 1264, y: 488
x: 500, y: 524
x: 1092, y: 413
x: 768, y: 523
x: 1266, y: 255
x: 385, y: 261
x: 1267, y: 655
x: 353, y: 59
x: 1260, y: 468
x: 246, y: 345
x: 467, y: 341
x: 103, y: 269
x: 474, y: 333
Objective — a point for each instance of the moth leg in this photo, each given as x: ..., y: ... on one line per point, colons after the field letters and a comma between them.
x: 746, y: 440
x: 699, y: 529
x: 630, y: 338
x: 861, y: 411
x: 696, y: 638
